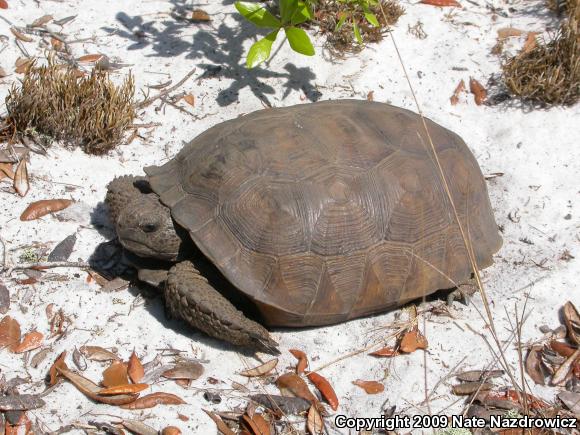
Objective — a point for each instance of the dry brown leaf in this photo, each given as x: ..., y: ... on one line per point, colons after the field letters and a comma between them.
x: 4, y: 299
x: 30, y: 341
x: 200, y: 15
x: 572, y: 320
x: 385, y: 352
x: 459, y: 89
x: 562, y: 348
x: 479, y: 375
x: 302, y: 360
x: 261, y: 370
x: 135, y: 368
x: 508, y: 32
x: 89, y: 58
x: 56, y: 44
x: 564, y: 370
x: 115, y: 375
x: 21, y: 179
x: 412, y: 341
x: 471, y: 387
x: 189, y: 370
x: 91, y: 390
x: 9, y: 333
x: 221, y: 426
x: 441, y: 3
x: 42, y: 21
x: 534, y: 365
x: 154, y: 399
x: 314, y: 421
x: 97, y: 353
x: 478, y: 91
x: 370, y: 387
x: 43, y: 207
x: 6, y: 171
x: 322, y: 384
x: 23, y: 64
x: 23, y: 425
x: 189, y: 99
x: 256, y: 424
x: 53, y: 372
x: 285, y: 404
x: 123, y: 389
x: 295, y: 385
x: 530, y: 42
x: 20, y: 36
x: 138, y: 427
x: 20, y: 402
x: 171, y: 430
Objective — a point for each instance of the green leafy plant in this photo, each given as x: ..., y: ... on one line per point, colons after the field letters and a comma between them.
x: 347, y: 16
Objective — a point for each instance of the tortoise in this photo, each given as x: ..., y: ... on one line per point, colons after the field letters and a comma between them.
x: 317, y: 213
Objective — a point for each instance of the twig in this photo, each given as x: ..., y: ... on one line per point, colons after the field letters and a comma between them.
x: 150, y: 125
x: 3, y: 243
x: 49, y: 265
x: 163, y: 93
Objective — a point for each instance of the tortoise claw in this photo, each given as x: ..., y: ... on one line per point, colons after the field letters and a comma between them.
x: 265, y: 344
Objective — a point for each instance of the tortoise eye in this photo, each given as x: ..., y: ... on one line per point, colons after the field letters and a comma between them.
x: 148, y: 227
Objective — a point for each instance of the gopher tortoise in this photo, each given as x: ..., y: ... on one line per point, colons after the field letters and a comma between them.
x: 316, y: 213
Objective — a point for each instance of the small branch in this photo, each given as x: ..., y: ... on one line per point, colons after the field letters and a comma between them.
x: 163, y: 93
x: 49, y: 265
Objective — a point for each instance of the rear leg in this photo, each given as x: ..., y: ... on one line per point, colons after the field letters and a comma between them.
x: 190, y: 296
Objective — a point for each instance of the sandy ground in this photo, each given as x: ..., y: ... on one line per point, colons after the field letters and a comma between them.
x: 535, y: 200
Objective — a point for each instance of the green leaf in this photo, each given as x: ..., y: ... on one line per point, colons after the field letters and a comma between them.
x: 299, y: 41
x: 257, y: 14
x: 302, y: 13
x: 287, y: 9
x: 343, y: 17
x: 372, y: 19
x: 260, y: 51
x: 357, y: 34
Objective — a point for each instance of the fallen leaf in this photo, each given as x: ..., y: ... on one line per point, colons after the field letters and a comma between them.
x: 370, y: 387
x: 20, y: 36
x: 89, y: 58
x: 21, y: 178
x: 154, y: 399
x: 43, y: 207
x: 22, y: 425
x: 123, y: 389
x: 182, y: 417
x: 184, y: 370
x: 287, y: 405
x: 63, y: 249
x: 441, y: 3
x: 53, y: 372
x: 314, y: 422
x: 509, y: 32
x: 571, y: 400
x: 115, y: 375
x: 412, y: 341
x: 562, y: 348
x: 471, y: 387
x: 138, y: 427
x: 79, y: 360
x: 91, y: 390
x: 6, y: 170
x: 256, y: 424
x: 31, y: 341
x: 41, y: 21
x: 561, y: 374
x: 295, y: 385
x: 221, y: 426
x: 39, y: 357
x: 322, y: 384
x: 97, y: 353
x: 23, y: 64
x: 479, y: 375
x: 508, y: 399
x: 302, y: 360
x: 572, y: 320
x: 478, y: 91
x: 9, y: 333
x: 459, y: 89
x: 534, y: 365
x: 57, y: 44
x: 189, y: 99
x: 385, y: 352
x: 4, y: 299
x: 171, y: 430
x: 135, y: 369
x: 261, y: 370
x: 371, y: 96
x: 20, y: 402
x: 3, y: 4
x: 200, y: 15
x: 530, y: 42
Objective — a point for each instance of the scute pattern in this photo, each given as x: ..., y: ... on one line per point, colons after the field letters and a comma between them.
x: 329, y: 211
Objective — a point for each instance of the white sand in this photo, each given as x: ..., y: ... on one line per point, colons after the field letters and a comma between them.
x: 536, y: 151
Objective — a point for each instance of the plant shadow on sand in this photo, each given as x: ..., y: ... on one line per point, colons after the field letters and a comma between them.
x: 220, y: 48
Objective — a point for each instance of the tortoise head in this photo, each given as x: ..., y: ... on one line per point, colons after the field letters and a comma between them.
x: 144, y: 225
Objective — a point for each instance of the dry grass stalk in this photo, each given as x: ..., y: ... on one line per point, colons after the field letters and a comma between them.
x: 328, y: 13
x: 58, y: 101
x: 549, y: 73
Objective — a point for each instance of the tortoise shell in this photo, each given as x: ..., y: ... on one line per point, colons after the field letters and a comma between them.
x: 329, y: 211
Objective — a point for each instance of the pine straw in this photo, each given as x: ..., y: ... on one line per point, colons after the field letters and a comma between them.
x: 549, y: 74
x: 327, y: 14
x: 58, y: 101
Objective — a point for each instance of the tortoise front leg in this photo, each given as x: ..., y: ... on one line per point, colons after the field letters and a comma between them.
x: 464, y: 292
x: 190, y: 296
